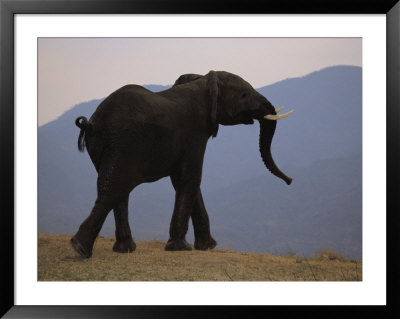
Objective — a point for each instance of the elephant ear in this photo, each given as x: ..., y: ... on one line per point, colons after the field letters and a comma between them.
x: 213, y: 92
x: 185, y: 78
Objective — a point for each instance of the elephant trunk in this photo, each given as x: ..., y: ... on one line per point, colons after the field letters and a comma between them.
x: 267, y: 130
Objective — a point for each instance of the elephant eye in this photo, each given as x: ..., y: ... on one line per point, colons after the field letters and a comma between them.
x: 244, y: 95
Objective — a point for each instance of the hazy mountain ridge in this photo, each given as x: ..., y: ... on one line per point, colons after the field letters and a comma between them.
x: 319, y: 146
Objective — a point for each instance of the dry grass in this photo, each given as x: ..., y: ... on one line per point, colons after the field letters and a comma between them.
x: 58, y: 262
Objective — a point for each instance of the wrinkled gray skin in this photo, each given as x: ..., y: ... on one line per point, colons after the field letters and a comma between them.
x: 136, y: 136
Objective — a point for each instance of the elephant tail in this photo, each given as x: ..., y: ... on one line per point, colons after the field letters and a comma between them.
x: 84, y: 125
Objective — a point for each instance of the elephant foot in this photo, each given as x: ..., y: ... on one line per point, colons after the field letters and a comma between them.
x: 204, y: 244
x: 124, y: 246
x: 173, y: 245
x: 84, y: 250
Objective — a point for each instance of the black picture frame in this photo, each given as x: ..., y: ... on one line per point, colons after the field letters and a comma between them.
x: 8, y: 10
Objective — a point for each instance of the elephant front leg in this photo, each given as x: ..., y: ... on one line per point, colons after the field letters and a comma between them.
x: 186, y: 194
x: 201, y: 225
x: 124, y: 241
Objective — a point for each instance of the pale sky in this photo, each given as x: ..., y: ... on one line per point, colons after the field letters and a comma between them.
x: 75, y: 70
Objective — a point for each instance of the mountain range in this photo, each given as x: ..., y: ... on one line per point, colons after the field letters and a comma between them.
x: 319, y: 146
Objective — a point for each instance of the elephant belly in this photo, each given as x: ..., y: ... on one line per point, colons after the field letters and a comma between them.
x: 152, y: 153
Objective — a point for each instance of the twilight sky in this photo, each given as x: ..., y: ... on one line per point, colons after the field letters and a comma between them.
x: 74, y: 70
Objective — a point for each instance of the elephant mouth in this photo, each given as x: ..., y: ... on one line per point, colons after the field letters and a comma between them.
x: 248, y: 121
x: 246, y: 117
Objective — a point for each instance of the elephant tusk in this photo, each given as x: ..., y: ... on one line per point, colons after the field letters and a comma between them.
x: 278, y: 109
x: 277, y: 117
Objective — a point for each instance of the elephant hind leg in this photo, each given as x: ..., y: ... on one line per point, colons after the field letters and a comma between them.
x: 84, y: 239
x: 112, y: 187
x: 124, y: 241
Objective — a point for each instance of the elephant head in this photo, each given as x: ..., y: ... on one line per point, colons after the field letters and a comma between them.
x: 234, y: 101
x: 185, y: 78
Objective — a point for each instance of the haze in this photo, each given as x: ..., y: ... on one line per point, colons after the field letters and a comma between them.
x: 73, y: 70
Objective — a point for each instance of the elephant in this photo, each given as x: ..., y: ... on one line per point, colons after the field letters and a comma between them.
x: 137, y: 136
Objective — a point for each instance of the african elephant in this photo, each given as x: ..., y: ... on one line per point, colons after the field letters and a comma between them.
x: 136, y: 136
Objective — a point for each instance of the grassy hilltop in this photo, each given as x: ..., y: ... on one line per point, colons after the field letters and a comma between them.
x: 58, y: 262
